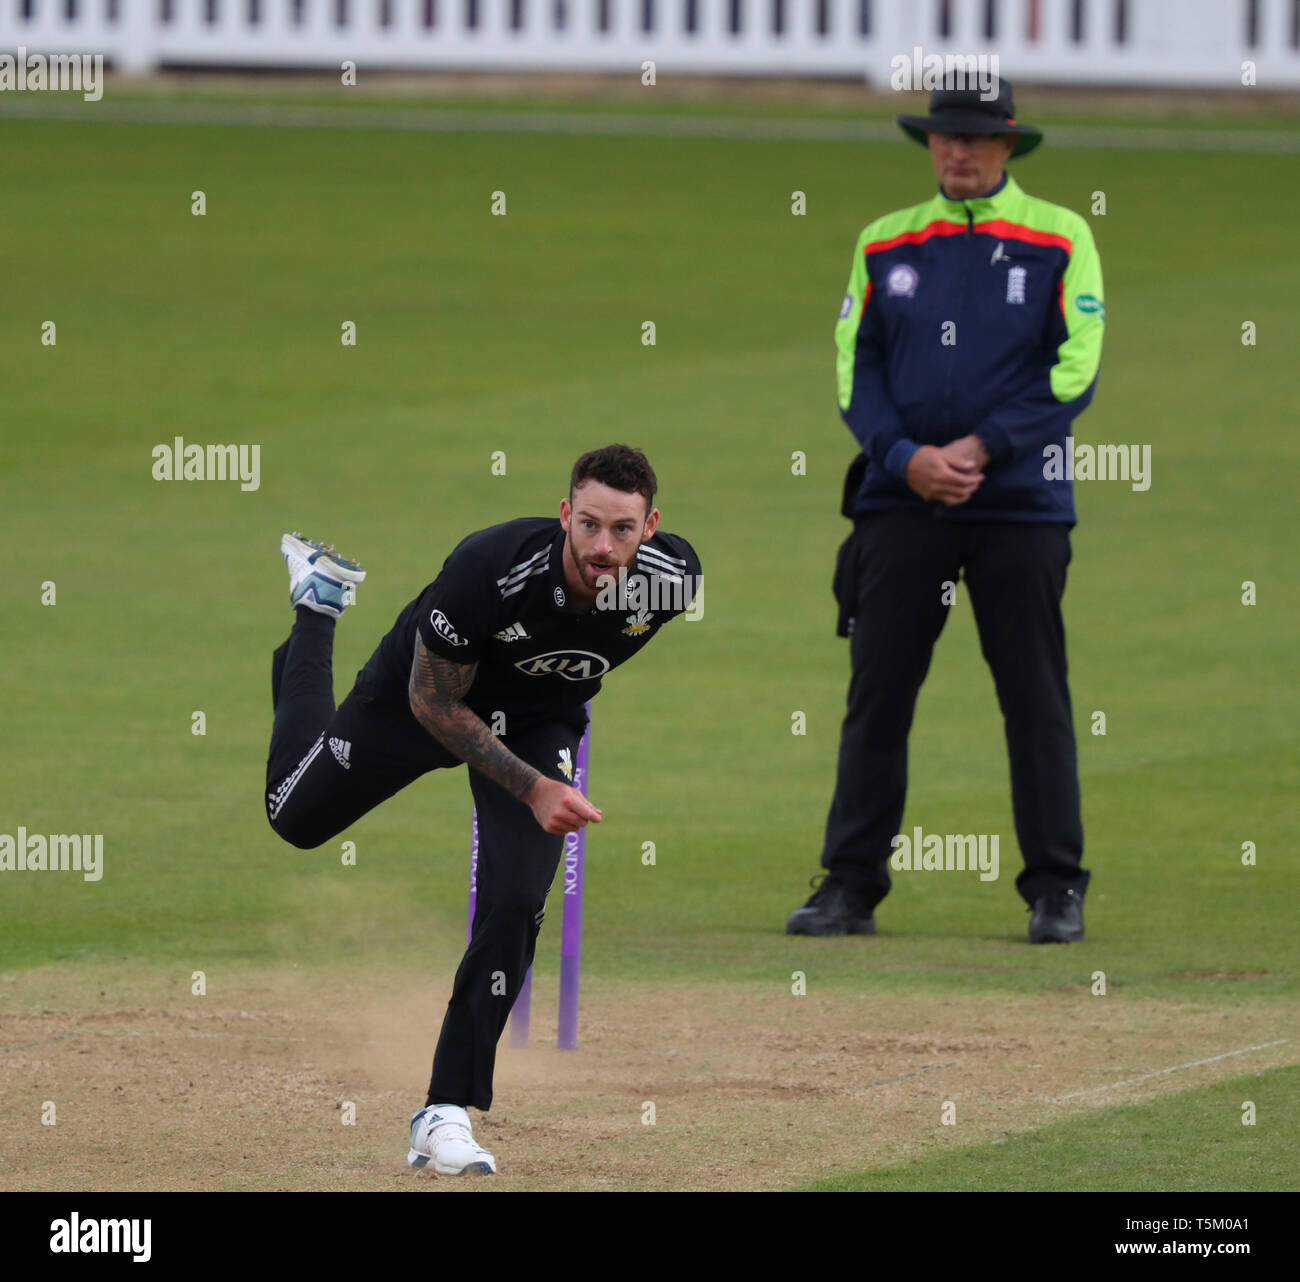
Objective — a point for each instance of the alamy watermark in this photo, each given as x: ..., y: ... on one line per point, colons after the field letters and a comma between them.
x: 946, y: 852
x: 1078, y: 462
x: 181, y: 462
x: 644, y: 595
x: 99, y: 1236
x: 53, y: 73
x: 930, y: 71
x: 58, y: 852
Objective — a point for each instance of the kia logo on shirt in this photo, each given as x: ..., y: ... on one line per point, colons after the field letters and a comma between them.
x: 572, y: 665
x: 442, y: 626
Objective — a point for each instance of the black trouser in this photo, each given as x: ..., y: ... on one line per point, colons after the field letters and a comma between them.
x: 890, y: 579
x: 328, y: 767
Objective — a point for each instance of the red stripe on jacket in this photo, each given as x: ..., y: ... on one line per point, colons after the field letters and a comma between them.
x: 993, y: 227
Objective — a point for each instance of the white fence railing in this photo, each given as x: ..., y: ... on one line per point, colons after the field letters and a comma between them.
x: 1154, y: 42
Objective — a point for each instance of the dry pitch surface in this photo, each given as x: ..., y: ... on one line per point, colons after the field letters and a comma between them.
x: 751, y: 1087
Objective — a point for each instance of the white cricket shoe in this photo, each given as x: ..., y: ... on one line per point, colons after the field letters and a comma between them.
x: 319, y: 578
x: 441, y: 1138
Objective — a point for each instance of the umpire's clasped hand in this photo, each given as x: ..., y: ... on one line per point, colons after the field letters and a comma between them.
x: 944, y: 475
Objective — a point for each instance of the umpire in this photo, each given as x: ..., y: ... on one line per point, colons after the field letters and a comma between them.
x: 969, y: 339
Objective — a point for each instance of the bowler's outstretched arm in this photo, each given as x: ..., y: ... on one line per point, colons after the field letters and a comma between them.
x: 437, y: 689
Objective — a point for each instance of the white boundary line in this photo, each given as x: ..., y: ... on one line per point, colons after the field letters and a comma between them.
x: 1178, y: 1068
x: 287, y: 116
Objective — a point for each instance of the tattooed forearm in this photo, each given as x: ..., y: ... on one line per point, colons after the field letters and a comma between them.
x: 437, y: 691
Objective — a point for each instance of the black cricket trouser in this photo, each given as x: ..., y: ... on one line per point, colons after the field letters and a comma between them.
x: 327, y: 767
x: 891, y: 581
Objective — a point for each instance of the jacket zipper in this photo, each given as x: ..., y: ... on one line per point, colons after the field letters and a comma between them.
x: 960, y: 311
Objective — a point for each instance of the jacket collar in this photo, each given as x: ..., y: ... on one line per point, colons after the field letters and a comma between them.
x: 989, y: 204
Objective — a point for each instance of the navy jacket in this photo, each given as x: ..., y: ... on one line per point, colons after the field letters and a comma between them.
x: 980, y: 316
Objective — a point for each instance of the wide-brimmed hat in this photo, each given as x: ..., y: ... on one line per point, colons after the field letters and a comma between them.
x: 966, y: 111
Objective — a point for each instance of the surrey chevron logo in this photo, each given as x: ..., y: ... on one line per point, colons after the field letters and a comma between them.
x: 566, y: 763
x: 638, y: 624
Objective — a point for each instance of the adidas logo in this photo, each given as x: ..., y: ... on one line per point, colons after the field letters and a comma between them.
x: 342, y: 750
x: 515, y: 632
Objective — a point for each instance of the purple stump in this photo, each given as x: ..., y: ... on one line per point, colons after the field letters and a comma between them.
x: 572, y: 873
x: 473, y: 875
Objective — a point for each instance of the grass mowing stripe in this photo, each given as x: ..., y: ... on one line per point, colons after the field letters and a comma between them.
x: 1191, y: 1141
x: 1110, y: 137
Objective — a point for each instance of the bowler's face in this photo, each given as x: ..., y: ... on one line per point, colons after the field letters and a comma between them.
x: 605, y: 528
x: 968, y: 165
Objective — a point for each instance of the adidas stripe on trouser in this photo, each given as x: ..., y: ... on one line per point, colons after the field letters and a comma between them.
x: 312, y: 796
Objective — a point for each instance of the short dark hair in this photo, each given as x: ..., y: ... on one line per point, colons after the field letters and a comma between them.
x: 621, y: 468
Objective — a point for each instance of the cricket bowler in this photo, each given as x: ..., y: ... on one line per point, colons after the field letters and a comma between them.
x: 490, y: 665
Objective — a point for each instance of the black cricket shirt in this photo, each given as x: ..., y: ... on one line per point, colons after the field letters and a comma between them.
x: 501, y: 601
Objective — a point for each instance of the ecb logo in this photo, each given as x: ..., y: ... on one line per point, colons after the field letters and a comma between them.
x: 572, y: 665
x: 902, y: 280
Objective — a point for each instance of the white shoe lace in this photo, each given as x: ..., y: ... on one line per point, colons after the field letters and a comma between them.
x: 453, y: 1131
x: 450, y: 1130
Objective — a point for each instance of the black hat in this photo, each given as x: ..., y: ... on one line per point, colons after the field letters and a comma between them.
x: 964, y: 111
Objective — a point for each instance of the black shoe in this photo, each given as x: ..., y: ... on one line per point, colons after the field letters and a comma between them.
x: 834, y: 909
x: 1057, y: 919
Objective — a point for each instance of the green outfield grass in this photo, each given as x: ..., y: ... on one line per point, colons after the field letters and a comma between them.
x: 523, y: 334
x: 1192, y: 1142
